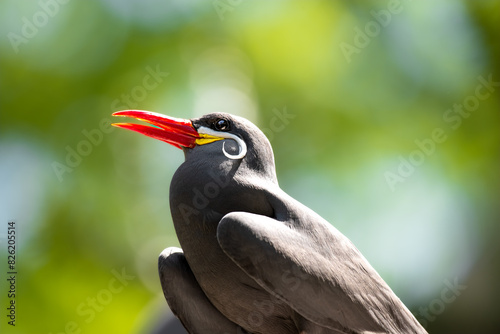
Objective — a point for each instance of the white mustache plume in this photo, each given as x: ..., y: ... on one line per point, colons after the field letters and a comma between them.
x: 241, y: 143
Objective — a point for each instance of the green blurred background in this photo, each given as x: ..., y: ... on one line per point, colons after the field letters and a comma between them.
x: 361, y: 101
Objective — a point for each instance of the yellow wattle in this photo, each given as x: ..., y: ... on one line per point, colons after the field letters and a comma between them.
x: 206, y: 139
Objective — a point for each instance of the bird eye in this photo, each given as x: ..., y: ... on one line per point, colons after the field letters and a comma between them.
x: 221, y: 124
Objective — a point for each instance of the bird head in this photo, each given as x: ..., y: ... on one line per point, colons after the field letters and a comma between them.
x: 215, y: 136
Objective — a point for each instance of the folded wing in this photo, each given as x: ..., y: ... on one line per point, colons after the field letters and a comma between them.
x: 317, y: 271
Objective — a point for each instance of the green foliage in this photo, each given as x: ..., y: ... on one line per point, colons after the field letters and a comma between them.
x: 362, y: 83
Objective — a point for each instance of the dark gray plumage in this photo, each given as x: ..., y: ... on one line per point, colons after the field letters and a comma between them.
x: 254, y: 260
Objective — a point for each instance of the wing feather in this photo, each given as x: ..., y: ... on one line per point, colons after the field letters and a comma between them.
x: 186, y: 298
x: 317, y: 271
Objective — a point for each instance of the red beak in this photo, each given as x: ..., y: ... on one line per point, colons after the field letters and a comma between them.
x: 175, y: 131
